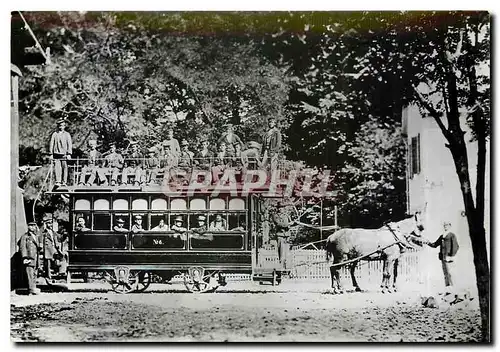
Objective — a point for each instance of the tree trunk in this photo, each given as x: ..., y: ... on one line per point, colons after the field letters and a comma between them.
x: 477, y: 235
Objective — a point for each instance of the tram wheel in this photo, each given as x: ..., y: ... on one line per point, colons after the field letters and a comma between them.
x: 144, y: 280
x: 196, y: 280
x: 122, y: 280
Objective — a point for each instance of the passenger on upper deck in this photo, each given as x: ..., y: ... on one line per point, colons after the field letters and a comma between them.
x: 171, y: 148
x: 80, y: 226
x: 230, y: 138
x: 161, y: 227
x: 272, y: 144
x: 203, y: 157
x: 219, y: 224
x: 134, y: 165
x: 92, y: 166
x: 222, y: 159
x: 137, y: 226
x: 113, y: 163
x: 152, y: 165
x: 251, y: 156
x: 60, y: 149
x: 119, y: 227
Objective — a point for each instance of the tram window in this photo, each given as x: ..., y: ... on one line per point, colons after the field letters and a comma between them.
x: 140, y: 204
x: 82, y: 204
x: 218, y: 222
x: 217, y: 204
x: 159, y: 204
x: 178, y: 204
x: 101, y: 204
x: 156, y: 224
x: 198, y: 204
x: 144, y: 223
x: 237, y: 222
x: 102, y: 221
x: 237, y: 204
x: 118, y: 217
x: 120, y: 204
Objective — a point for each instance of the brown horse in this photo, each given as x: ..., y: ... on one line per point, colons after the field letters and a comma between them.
x: 385, y: 243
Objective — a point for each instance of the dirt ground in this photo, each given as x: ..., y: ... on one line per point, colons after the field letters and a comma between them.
x: 241, y: 311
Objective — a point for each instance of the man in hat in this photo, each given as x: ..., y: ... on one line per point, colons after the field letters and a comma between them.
x: 152, y: 166
x: 134, y: 166
x: 60, y: 149
x: 114, y: 163
x: 282, y: 222
x: 51, y: 246
x: 120, y: 226
x: 92, y: 166
x: 272, y: 144
x: 230, y: 138
x: 179, y: 228
x: 448, y: 248
x: 200, y: 232
x: 221, y: 161
x: 185, y: 163
x: 29, y: 248
x: 137, y: 226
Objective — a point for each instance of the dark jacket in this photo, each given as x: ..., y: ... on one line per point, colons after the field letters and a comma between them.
x: 51, y: 245
x: 448, y: 245
x: 29, y: 247
x: 272, y: 140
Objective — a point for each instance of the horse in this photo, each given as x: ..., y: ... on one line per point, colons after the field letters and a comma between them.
x: 386, y: 243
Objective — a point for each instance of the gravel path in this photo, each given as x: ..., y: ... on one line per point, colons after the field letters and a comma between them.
x: 243, y: 312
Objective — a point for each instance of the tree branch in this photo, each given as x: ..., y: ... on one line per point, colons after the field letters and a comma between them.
x: 434, y: 113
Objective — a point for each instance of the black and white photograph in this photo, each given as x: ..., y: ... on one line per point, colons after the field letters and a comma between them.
x: 250, y: 176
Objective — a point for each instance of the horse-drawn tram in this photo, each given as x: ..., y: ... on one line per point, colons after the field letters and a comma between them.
x: 167, y: 225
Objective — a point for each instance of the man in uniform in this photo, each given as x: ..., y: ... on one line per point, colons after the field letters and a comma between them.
x: 282, y: 223
x: 251, y: 156
x: 60, y: 149
x: 185, y: 163
x: 92, y: 168
x: 152, y: 166
x: 272, y: 144
x: 171, y: 148
x: 200, y: 232
x: 219, y: 224
x: 134, y: 165
x: 222, y: 159
x: 119, y: 227
x: 448, y: 248
x: 29, y: 248
x: 114, y: 163
x: 203, y: 157
x: 51, y: 246
x: 137, y: 226
x: 179, y: 228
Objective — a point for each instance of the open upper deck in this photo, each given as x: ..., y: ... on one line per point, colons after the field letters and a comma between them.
x: 197, y: 175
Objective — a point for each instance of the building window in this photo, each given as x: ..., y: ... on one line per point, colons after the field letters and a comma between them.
x: 415, y: 155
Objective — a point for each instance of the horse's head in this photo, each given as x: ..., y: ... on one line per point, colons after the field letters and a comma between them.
x: 411, y: 230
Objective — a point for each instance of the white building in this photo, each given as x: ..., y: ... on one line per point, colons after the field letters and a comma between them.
x: 433, y: 188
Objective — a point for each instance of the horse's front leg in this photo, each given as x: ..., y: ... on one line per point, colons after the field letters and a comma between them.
x: 384, y: 276
x: 387, y: 275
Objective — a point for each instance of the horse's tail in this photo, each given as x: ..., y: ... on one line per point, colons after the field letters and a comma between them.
x: 328, y: 249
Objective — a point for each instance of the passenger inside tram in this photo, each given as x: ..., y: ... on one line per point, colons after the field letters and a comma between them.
x: 120, y: 226
x: 80, y: 226
x: 161, y: 227
x: 179, y: 228
x: 137, y: 226
x: 219, y: 224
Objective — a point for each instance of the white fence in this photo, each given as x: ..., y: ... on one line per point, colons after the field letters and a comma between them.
x: 310, y: 264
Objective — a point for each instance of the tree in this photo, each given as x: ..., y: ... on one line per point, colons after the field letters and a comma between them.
x: 442, y: 62
x: 373, y: 179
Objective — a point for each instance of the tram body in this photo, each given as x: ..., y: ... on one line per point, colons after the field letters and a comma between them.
x: 129, y: 258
